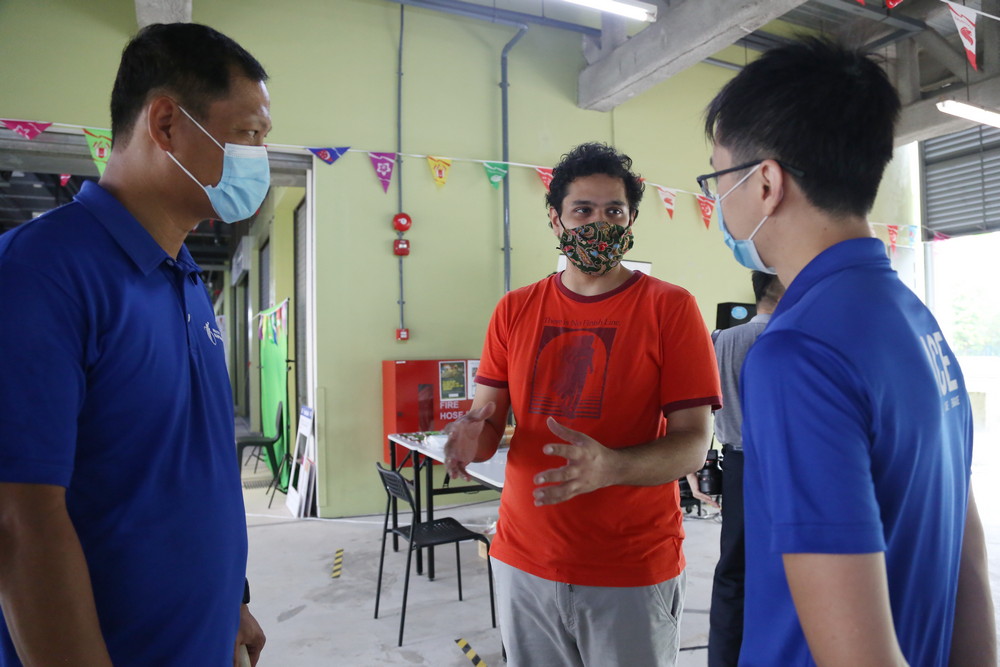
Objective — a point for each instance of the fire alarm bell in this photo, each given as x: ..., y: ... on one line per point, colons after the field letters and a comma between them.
x: 402, y: 334
x: 401, y: 222
x: 401, y: 247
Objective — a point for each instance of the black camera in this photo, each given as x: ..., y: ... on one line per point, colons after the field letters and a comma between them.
x: 710, y: 476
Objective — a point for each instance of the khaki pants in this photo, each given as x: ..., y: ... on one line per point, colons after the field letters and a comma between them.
x: 549, y: 624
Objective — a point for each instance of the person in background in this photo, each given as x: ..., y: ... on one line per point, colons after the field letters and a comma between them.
x: 612, y: 377
x: 122, y: 530
x: 863, y: 542
x: 731, y: 347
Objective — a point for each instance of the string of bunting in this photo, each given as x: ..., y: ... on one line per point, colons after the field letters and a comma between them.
x: 272, y: 322
x: 965, y: 23
x: 383, y: 164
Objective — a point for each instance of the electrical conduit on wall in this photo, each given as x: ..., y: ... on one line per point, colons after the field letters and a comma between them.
x: 459, y: 10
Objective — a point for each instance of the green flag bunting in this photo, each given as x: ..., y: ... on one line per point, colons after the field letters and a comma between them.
x: 495, y: 172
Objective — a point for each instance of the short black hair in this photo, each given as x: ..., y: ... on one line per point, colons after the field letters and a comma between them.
x: 589, y: 159
x: 190, y: 61
x: 822, y: 107
x: 766, y: 287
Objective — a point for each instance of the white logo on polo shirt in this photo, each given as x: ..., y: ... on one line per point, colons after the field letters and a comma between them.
x: 214, y: 335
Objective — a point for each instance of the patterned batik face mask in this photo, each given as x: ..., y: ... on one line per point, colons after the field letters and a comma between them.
x: 595, y: 247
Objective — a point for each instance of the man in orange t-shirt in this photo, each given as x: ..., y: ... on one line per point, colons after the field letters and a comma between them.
x: 612, y: 377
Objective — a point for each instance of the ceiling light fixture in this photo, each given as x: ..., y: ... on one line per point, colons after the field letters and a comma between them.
x: 633, y: 9
x: 970, y: 112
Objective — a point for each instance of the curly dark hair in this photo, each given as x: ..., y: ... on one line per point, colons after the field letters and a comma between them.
x: 594, y: 158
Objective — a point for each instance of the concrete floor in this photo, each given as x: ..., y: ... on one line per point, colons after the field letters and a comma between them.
x: 312, y: 619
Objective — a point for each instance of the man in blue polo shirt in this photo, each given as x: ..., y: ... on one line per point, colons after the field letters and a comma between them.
x: 863, y: 542
x: 122, y: 530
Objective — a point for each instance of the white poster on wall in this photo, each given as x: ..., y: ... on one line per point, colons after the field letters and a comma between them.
x: 302, y: 477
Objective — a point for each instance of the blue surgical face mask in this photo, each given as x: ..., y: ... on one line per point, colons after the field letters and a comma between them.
x: 246, y: 177
x: 744, y: 251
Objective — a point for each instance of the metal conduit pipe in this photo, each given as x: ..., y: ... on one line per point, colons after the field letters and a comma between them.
x: 722, y: 63
x: 458, y: 9
x: 399, y: 159
x: 505, y: 124
x: 500, y: 16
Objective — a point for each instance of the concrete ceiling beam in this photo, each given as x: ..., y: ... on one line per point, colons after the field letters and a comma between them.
x: 148, y: 12
x: 989, y: 36
x: 922, y: 120
x: 907, y: 71
x: 938, y: 48
x: 684, y: 35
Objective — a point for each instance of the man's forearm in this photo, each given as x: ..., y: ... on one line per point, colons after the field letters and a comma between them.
x: 973, y: 640
x: 45, y: 592
x: 663, y: 460
x: 489, y: 441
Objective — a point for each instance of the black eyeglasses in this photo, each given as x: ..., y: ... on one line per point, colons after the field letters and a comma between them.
x: 705, y: 179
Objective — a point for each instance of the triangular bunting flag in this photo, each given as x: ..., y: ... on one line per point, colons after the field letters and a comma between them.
x: 28, y: 129
x: 965, y: 22
x: 707, y: 206
x: 439, y: 169
x: 891, y: 4
x: 496, y: 172
x: 938, y: 236
x: 545, y: 174
x: 64, y: 179
x: 861, y: 1
x: 329, y: 155
x: 911, y: 235
x: 100, y: 147
x: 893, y: 237
x: 383, y: 164
x: 667, y: 196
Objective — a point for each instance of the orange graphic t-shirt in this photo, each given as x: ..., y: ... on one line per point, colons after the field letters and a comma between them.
x: 610, y: 366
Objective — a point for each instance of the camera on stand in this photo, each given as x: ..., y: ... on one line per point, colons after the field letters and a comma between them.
x: 709, y: 483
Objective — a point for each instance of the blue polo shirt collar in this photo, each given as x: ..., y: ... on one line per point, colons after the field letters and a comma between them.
x: 843, y: 255
x: 128, y: 233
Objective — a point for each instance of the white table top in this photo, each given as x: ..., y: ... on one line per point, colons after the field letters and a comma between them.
x: 489, y: 472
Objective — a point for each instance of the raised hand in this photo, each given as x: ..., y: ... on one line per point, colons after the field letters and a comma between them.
x: 463, y: 440
x: 589, y: 466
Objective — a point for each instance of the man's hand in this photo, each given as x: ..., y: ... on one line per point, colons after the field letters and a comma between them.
x: 692, y: 479
x: 463, y: 440
x: 249, y: 634
x: 589, y: 466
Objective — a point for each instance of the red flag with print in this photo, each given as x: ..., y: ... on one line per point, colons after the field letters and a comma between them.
x: 668, y: 197
x: 965, y: 22
x: 545, y: 174
x: 893, y: 237
x: 891, y: 4
x: 707, y: 206
x: 64, y: 179
x: 28, y: 129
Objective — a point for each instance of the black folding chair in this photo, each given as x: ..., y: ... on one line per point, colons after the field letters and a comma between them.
x: 422, y: 534
x: 265, y: 444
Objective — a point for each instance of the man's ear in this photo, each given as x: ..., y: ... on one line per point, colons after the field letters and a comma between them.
x: 554, y: 221
x: 162, y: 115
x: 772, y: 190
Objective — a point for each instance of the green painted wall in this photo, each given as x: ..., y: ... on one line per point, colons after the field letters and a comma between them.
x: 333, y: 69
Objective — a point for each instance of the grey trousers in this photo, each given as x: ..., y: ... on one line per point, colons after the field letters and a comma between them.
x: 549, y: 624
